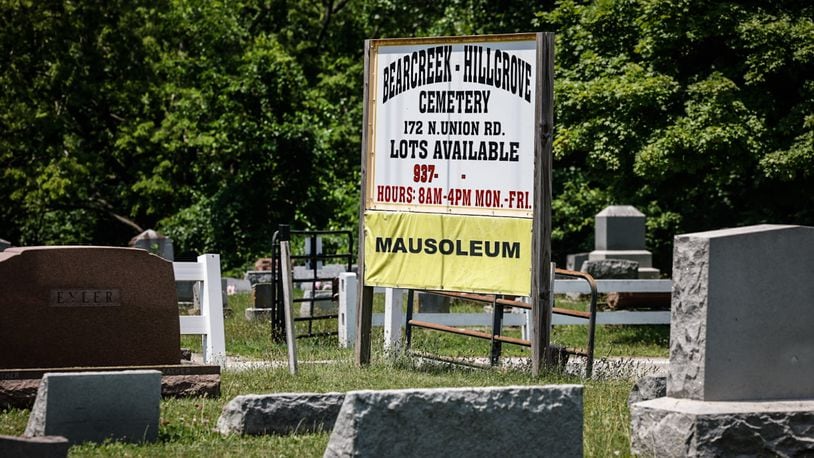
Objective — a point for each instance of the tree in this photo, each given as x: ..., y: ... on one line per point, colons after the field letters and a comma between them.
x: 214, y: 122
x: 698, y: 113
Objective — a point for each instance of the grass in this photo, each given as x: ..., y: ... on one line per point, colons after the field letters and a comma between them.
x: 186, y: 427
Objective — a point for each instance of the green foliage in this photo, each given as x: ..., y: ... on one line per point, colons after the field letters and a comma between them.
x: 698, y: 113
x: 215, y: 122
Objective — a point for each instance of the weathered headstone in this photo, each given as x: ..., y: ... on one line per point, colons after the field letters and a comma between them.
x: 87, y: 306
x: 433, y: 303
x: 518, y: 421
x: 258, y: 276
x: 741, y: 348
x: 262, y: 300
x: 155, y: 243
x: 280, y: 413
x: 96, y: 406
x: 574, y: 261
x: 619, y: 233
x: 189, y: 294
x: 4, y: 244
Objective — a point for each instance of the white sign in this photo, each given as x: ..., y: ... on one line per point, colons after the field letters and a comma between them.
x: 453, y: 128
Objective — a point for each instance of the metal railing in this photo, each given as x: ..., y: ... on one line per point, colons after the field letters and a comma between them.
x: 498, y: 307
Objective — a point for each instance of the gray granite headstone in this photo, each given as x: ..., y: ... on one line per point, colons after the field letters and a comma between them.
x: 741, y: 348
x: 261, y: 295
x: 517, y: 421
x: 619, y: 227
x: 262, y: 299
x: 155, y: 243
x: 742, y: 314
x: 620, y: 234
x: 280, y: 413
x: 96, y: 406
x: 574, y: 261
x: 433, y: 303
x: 4, y: 244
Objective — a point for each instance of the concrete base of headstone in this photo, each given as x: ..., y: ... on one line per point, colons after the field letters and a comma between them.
x: 282, y: 413
x: 493, y: 421
x: 649, y: 387
x: 672, y: 427
x: 18, y: 388
x: 34, y: 447
x: 254, y: 314
x: 96, y: 406
x: 611, y: 268
x: 190, y: 386
x: 649, y: 273
x: 18, y: 394
x: 643, y: 257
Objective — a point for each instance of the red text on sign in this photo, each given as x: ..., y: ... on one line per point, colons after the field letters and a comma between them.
x: 395, y: 194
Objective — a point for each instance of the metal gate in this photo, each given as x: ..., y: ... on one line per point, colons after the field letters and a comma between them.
x: 313, y: 258
x: 498, y: 306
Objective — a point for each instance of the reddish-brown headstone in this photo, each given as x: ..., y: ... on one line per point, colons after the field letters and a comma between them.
x: 86, y: 306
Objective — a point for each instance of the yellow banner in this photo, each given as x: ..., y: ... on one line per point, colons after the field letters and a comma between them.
x: 448, y: 252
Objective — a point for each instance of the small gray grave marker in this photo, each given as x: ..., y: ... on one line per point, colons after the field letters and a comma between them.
x: 95, y: 406
x: 516, y: 421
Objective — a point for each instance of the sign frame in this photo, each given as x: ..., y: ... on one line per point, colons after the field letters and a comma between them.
x: 541, y: 206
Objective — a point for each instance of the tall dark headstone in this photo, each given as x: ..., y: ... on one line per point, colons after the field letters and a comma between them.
x: 86, y: 306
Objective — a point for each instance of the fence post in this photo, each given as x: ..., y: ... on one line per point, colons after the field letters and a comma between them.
x: 392, y: 318
x: 347, y: 309
x: 214, y: 341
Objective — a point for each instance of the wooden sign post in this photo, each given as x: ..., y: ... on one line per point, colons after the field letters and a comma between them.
x: 456, y: 171
x: 288, y: 298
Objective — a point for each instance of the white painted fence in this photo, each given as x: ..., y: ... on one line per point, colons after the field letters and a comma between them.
x: 209, y: 324
x: 393, y: 319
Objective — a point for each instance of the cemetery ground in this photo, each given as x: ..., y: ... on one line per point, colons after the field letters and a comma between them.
x: 187, y: 425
